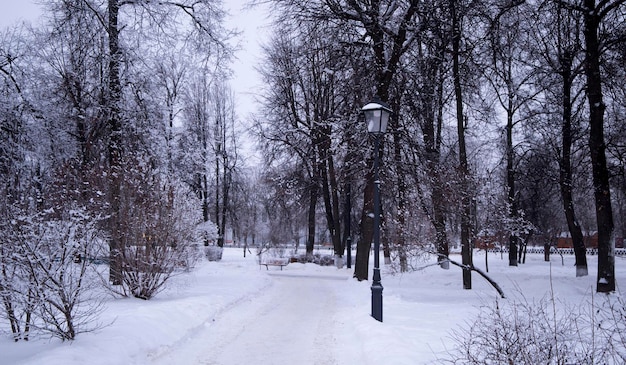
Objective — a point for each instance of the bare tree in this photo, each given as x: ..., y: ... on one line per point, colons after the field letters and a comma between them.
x: 461, y: 121
x: 593, y: 15
x: 206, y: 18
x: 510, y: 78
x: 226, y: 154
x: 305, y: 75
x: 560, y: 50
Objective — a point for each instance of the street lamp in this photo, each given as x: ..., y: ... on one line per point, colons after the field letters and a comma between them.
x: 377, y: 117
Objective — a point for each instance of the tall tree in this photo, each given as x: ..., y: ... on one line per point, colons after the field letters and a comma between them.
x: 294, y: 129
x: 461, y: 122
x: 206, y: 18
x: 558, y: 53
x: 510, y: 76
x: 226, y: 154
x: 307, y: 72
x: 566, y: 56
x: 568, y: 47
x: 426, y: 109
x: 389, y: 34
x: 593, y: 15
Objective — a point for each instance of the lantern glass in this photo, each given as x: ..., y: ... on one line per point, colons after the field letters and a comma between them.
x: 376, y: 117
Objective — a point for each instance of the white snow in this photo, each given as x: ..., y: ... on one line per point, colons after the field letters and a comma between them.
x: 234, y: 312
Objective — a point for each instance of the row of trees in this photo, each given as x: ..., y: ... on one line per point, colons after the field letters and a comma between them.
x: 508, y: 118
x: 117, y: 145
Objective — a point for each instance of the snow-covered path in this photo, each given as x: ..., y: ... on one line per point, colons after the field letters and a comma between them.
x: 233, y: 312
x: 290, y: 322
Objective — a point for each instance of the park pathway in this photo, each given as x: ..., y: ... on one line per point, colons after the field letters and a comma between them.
x: 290, y: 322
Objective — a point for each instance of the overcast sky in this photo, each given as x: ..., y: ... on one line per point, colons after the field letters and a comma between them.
x: 14, y: 11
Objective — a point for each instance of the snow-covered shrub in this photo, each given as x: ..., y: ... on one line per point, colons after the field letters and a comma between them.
x: 50, y: 288
x: 326, y: 260
x: 157, y: 229
x: 208, y: 231
x: 15, y: 309
x: 319, y: 259
x: 543, y: 332
x: 213, y: 253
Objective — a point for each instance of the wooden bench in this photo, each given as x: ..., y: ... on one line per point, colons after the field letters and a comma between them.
x: 275, y: 262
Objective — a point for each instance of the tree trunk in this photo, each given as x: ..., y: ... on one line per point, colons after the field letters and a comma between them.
x: 387, y: 59
x: 204, y: 186
x: 510, y: 182
x: 218, y: 221
x: 226, y: 181
x: 565, y: 176
x: 441, y: 237
x: 400, y: 240
x: 347, y: 231
x: 313, y: 196
x: 384, y: 242
x: 466, y: 250
x: 334, y: 190
x: 364, y: 244
x: 430, y: 130
x: 115, y: 144
x: 329, y: 191
x: 602, y: 192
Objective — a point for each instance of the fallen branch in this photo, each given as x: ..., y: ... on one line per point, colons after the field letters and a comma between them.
x: 479, y: 271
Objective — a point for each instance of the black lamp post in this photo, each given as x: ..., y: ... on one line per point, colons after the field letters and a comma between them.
x: 377, y: 117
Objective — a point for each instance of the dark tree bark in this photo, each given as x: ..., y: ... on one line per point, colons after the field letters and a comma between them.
x: 218, y: 176
x: 114, y: 99
x: 592, y: 16
x: 224, y: 149
x: 426, y: 107
x: 565, y: 175
x: 313, y: 197
x: 114, y: 125
x: 330, y: 189
x: 347, y: 216
x: 506, y: 76
x: 364, y: 244
x: 510, y: 183
x: 466, y: 250
x: 204, y: 192
x: 401, y: 199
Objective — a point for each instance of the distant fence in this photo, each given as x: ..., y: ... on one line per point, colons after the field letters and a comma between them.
x: 562, y: 251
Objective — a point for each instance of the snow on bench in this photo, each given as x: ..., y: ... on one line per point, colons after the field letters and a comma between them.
x: 275, y: 262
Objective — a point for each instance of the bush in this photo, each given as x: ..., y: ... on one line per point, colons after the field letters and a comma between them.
x: 213, y: 253
x: 158, y: 235
x: 45, y: 283
x: 544, y: 332
x: 322, y: 260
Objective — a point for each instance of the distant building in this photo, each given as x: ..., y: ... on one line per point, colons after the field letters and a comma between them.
x: 589, y: 238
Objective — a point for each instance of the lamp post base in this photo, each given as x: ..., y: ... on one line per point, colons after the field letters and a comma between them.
x: 377, y: 296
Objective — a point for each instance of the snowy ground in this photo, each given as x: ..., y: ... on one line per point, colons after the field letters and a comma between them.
x: 234, y: 312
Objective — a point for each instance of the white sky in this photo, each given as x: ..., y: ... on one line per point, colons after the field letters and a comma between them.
x: 14, y: 11
x: 253, y: 24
